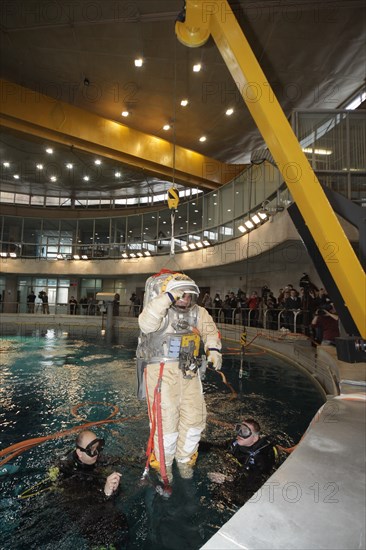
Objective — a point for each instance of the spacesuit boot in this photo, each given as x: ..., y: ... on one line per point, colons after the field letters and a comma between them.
x: 185, y: 470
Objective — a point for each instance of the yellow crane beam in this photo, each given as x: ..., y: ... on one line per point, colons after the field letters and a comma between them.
x: 217, y: 18
x: 33, y: 113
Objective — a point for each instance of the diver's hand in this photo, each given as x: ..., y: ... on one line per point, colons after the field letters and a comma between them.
x: 214, y: 356
x: 217, y: 477
x: 111, y: 484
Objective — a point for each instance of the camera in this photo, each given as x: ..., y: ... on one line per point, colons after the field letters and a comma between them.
x: 306, y: 284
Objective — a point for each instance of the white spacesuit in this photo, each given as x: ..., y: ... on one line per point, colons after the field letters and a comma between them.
x: 173, y: 327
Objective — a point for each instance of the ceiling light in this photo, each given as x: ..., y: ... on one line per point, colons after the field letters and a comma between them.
x: 138, y: 62
x: 132, y: 255
x: 49, y: 150
x: 59, y: 257
x: 317, y: 151
x: 76, y: 257
x: 12, y: 255
x: 84, y: 257
x: 86, y: 178
x: 229, y: 112
x: 203, y: 138
x: 125, y: 113
x: 206, y: 243
x: 199, y: 244
x: 139, y: 254
x: 53, y: 178
x: 125, y: 255
x: 3, y: 254
x: 242, y: 228
x: 184, y: 102
x: 263, y: 215
x: 117, y: 174
x: 147, y: 253
x: 6, y: 164
x: 166, y: 127
x: 97, y: 162
x: 185, y: 247
x: 39, y: 166
x: 256, y: 219
x: 16, y: 176
x: 197, y: 67
x: 192, y: 246
x: 69, y: 166
x: 249, y: 224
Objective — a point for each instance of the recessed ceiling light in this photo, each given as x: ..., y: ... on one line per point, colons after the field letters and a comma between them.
x: 203, y: 138
x: 242, y: 228
x: 6, y: 164
x: 49, y: 150
x: 184, y: 102
x: 197, y: 67
x: 16, y: 176
x: 166, y: 127
x: 125, y: 113
x: 97, y: 162
x: 117, y: 175
x: 69, y: 166
x: 86, y: 178
x: 39, y: 166
x: 229, y: 112
x: 53, y: 178
x: 138, y: 62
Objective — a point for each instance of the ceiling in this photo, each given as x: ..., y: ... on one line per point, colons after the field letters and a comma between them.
x: 312, y: 53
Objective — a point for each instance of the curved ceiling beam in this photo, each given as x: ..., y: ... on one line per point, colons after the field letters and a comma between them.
x: 33, y: 113
x: 271, y: 121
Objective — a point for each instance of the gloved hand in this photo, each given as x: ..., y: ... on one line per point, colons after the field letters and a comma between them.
x: 214, y: 357
x: 174, y: 290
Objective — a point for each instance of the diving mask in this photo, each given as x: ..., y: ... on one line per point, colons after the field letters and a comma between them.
x: 93, y: 448
x: 244, y: 431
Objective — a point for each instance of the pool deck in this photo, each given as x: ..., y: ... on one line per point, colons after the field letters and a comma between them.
x: 316, y: 499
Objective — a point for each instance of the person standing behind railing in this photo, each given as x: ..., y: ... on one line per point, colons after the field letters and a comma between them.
x: 31, y: 301
x: 217, y: 305
x: 253, y: 305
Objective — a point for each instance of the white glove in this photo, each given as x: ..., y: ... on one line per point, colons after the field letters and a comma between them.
x: 174, y: 290
x: 215, y: 357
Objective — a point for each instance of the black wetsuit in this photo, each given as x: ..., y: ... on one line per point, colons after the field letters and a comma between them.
x: 259, y: 458
x: 246, y: 468
x: 98, y: 517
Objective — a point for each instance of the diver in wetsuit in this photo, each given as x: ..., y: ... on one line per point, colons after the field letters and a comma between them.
x: 249, y: 459
x: 90, y: 489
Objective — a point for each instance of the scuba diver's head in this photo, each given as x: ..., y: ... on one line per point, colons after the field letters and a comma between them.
x: 247, y: 432
x: 88, y: 447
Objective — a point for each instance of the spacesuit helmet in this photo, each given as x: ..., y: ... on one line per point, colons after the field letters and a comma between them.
x: 184, y: 289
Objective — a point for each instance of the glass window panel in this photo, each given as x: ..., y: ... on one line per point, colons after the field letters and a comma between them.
x: 181, y: 220
x: 134, y: 227
x: 101, y: 237
x: 85, y: 237
x: 211, y: 210
x: 226, y: 203
x: 7, y: 197
x: 52, y: 201
x: 37, y: 201
x: 21, y: 199
x: 149, y: 231
x: 195, y: 214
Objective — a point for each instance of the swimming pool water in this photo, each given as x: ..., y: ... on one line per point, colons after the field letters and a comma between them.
x: 52, y: 383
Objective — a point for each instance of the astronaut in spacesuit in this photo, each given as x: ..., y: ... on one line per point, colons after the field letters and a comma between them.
x: 173, y: 329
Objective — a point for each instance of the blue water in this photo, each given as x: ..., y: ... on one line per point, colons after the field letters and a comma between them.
x: 52, y: 383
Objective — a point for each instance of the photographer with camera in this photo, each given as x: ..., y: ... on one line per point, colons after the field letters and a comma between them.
x: 326, y: 323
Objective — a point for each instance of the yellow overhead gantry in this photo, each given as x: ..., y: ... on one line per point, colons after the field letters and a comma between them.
x: 31, y: 112
x: 204, y: 18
